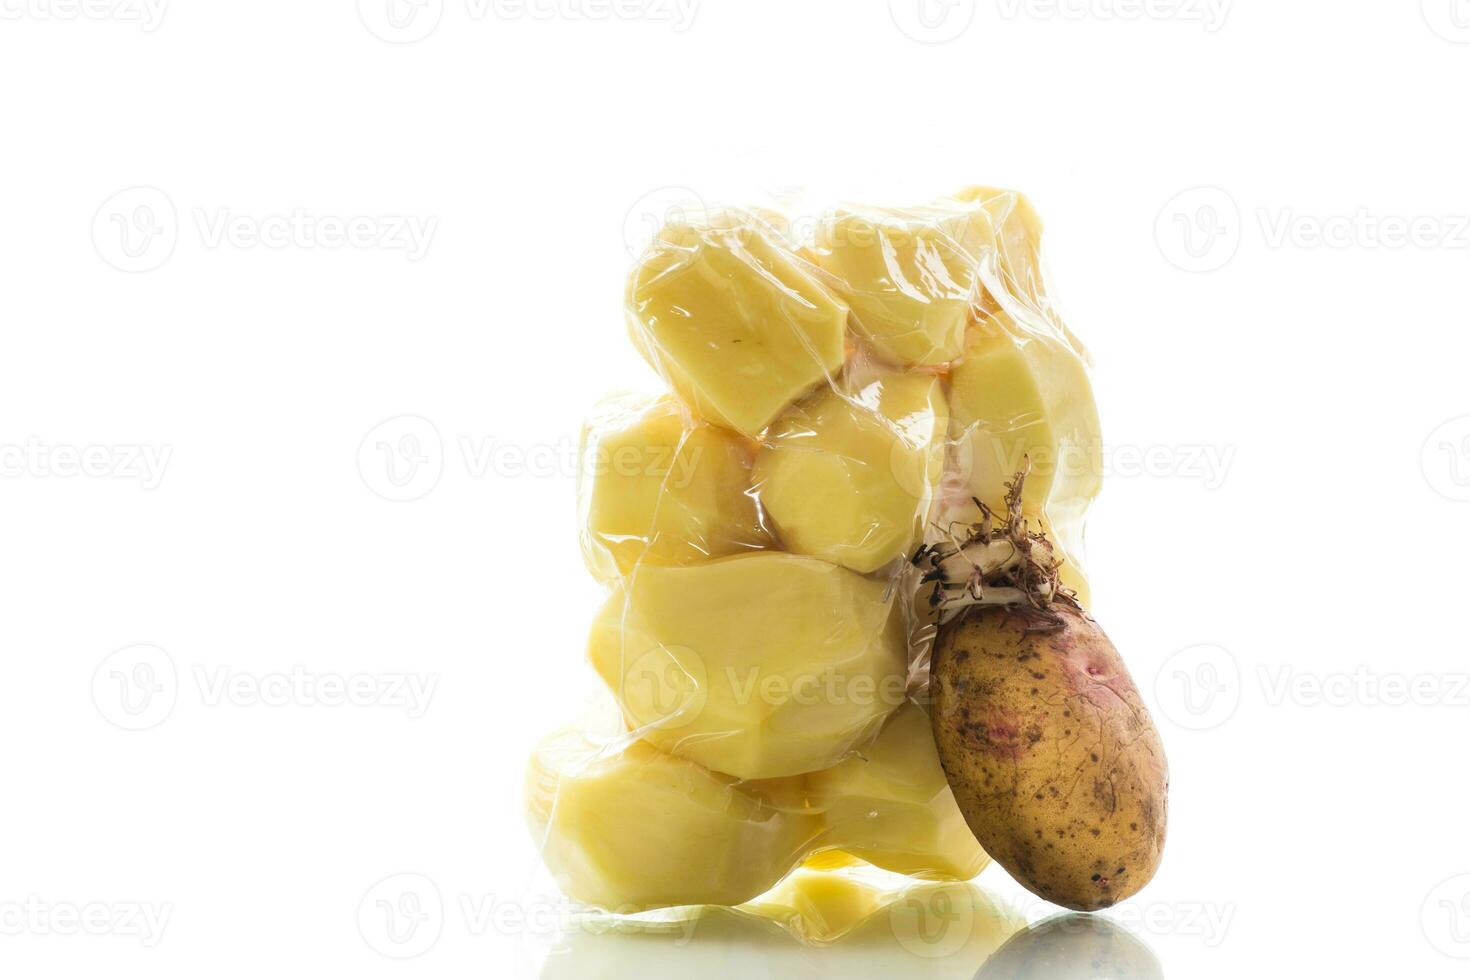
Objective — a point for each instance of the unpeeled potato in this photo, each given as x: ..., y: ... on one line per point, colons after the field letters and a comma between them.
x: 1050, y: 751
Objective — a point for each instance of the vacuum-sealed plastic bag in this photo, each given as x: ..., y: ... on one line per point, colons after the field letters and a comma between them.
x: 837, y: 398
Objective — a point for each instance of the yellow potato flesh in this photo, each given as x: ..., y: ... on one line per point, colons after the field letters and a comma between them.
x: 759, y: 665
x: 849, y: 476
x: 891, y: 806
x: 629, y: 827
x: 660, y: 488
x: 1013, y: 271
x: 625, y: 826
x: 908, y: 275
x: 738, y: 327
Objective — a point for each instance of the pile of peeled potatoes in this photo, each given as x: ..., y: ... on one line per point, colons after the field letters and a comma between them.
x: 846, y: 619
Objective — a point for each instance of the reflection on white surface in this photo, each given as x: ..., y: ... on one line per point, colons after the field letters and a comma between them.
x: 825, y: 925
x: 1074, y: 946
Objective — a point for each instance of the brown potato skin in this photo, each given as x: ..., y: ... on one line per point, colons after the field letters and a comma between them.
x: 1051, y: 753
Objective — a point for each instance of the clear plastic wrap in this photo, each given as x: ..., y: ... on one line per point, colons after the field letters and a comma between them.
x: 836, y: 399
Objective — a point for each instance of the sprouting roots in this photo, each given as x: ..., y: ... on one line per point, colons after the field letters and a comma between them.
x: 996, y: 563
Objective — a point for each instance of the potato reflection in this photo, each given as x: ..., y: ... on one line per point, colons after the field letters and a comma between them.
x: 815, y: 924
x: 1073, y: 946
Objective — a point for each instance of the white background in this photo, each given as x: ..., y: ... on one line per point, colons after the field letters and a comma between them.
x: 1274, y: 604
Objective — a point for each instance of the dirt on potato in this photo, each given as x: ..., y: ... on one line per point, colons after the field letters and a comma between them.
x: 1051, y: 753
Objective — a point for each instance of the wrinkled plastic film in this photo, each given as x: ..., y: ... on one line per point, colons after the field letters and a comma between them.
x: 836, y: 397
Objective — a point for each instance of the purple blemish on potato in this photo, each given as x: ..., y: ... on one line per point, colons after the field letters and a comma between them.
x: 1001, y: 737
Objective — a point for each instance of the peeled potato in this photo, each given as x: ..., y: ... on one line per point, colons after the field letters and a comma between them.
x: 849, y: 475
x: 890, y: 805
x: 734, y: 322
x: 629, y: 828
x: 661, y: 488
x: 625, y: 826
x: 759, y: 665
x: 908, y: 274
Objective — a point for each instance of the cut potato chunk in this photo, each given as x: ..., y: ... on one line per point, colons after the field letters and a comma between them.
x: 909, y: 275
x: 628, y: 828
x: 734, y: 322
x: 757, y: 666
x: 659, y: 487
x: 891, y: 805
x: 849, y: 476
x: 1015, y: 274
